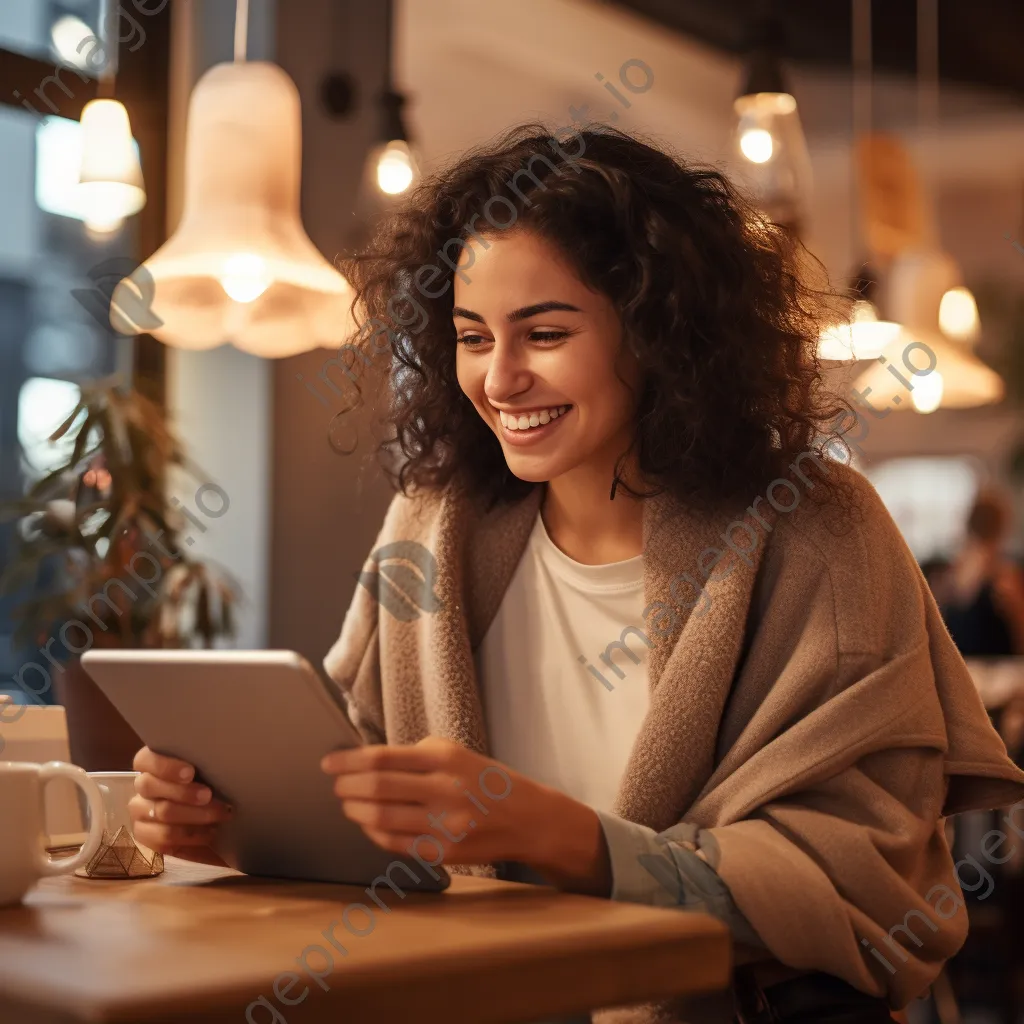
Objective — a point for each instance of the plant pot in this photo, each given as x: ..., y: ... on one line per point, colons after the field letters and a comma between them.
x: 100, y: 739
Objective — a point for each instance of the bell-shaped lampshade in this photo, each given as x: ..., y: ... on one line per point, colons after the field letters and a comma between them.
x: 957, y: 380
x: 240, y: 267
x: 110, y: 179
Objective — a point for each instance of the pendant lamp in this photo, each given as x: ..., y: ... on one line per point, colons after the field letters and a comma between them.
x: 958, y: 379
x: 392, y: 165
x: 771, y: 151
x: 240, y: 267
x: 866, y: 335
x: 926, y: 292
x: 927, y: 296
x: 110, y: 184
x: 922, y: 284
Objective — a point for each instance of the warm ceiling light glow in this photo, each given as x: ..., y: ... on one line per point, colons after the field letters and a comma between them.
x: 245, y: 276
x: 756, y: 145
x: 395, y: 170
x: 110, y: 178
x: 774, y: 103
x: 958, y: 314
x: 769, y: 156
x: 957, y: 378
x: 864, y: 337
x: 239, y: 266
x: 67, y: 35
x: 927, y: 393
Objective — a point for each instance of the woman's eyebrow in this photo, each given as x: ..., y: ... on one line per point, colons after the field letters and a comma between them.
x: 523, y: 313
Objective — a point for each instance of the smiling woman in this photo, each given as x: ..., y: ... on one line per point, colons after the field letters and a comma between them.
x: 585, y: 403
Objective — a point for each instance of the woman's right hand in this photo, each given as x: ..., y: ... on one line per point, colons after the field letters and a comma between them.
x: 170, y: 812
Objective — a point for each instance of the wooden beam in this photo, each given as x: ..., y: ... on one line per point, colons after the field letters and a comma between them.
x: 43, y: 87
x: 143, y: 87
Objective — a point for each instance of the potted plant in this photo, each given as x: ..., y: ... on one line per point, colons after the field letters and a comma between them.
x: 100, y: 553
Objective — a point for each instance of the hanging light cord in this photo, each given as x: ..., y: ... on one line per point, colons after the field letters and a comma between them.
x: 861, y: 59
x: 927, y: 64
x: 241, y: 28
x: 389, y: 29
x: 107, y: 79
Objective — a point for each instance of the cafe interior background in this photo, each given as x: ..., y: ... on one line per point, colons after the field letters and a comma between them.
x: 888, y: 136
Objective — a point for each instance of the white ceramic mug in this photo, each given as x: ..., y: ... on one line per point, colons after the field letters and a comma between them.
x: 23, y: 857
x: 117, y: 790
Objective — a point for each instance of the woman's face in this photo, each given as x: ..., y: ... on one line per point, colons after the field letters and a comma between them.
x: 537, y: 355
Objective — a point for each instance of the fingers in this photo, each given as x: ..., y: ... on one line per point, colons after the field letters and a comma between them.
x: 400, y: 787
x: 402, y: 819
x: 168, y: 827
x: 171, y: 769
x: 170, y: 813
x: 153, y: 787
x: 430, y: 754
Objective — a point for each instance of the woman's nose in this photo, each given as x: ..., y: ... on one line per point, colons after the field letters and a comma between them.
x: 508, y: 373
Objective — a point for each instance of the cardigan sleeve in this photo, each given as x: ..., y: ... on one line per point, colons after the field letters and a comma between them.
x: 854, y: 729
x: 663, y: 870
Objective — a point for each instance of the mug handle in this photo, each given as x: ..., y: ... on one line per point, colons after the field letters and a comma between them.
x: 97, y: 817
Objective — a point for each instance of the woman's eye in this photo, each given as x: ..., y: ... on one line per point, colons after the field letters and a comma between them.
x: 471, y: 340
x: 548, y: 335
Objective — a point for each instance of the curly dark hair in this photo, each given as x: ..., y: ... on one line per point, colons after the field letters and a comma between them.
x: 709, y: 292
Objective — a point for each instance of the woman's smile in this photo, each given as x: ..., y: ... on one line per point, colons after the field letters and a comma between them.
x: 530, y: 426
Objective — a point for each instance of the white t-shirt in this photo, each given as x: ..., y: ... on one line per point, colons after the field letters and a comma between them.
x: 548, y: 716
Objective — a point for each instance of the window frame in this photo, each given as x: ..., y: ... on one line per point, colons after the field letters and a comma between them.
x: 143, y: 86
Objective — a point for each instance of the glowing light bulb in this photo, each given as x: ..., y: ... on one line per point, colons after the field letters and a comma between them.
x: 103, y: 204
x: 927, y: 393
x: 110, y: 186
x: 394, y: 168
x: 68, y: 36
x: 958, y: 314
x: 757, y: 145
x: 864, y: 337
x: 245, y: 277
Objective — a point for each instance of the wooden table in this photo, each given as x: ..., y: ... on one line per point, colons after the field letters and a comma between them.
x: 204, y: 944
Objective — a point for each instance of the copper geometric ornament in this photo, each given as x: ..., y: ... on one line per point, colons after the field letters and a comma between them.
x: 119, y: 856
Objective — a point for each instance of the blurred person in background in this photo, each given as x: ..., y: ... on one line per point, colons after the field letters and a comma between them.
x: 981, y: 593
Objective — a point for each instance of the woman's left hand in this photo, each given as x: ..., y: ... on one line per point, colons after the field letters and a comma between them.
x: 475, y: 809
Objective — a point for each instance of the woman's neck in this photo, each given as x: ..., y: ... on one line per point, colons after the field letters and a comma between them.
x: 587, y: 526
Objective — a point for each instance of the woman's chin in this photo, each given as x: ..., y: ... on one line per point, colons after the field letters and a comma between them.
x: 533, y: 469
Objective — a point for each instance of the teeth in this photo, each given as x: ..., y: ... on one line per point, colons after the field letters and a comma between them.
x: 533, y: 419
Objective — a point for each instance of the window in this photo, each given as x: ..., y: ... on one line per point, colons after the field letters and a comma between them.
x: 929, y: 498
x: 54, y: 264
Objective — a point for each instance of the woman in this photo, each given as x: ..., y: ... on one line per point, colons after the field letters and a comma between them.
x: 981, y: 594
x: 699, y: 652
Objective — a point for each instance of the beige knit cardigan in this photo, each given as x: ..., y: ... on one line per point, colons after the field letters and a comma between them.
x: 817, y: 717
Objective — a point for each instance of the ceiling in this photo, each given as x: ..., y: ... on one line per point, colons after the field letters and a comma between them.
x: 980, y: 42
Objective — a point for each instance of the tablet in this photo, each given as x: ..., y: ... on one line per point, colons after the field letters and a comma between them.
x: 256, y: 724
